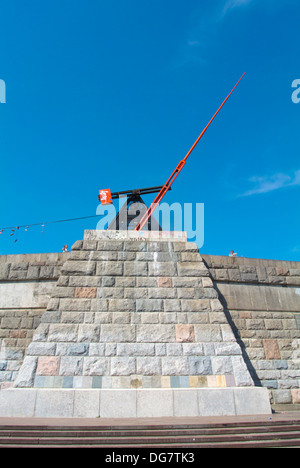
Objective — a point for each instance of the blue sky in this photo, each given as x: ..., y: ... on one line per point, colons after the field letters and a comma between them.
x: 113, y: 94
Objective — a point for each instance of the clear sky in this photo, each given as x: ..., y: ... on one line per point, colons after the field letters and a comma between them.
x: 113, y: 94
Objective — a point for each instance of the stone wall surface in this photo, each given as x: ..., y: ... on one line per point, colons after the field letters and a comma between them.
x: 26, y: 285
x: 147, y: 312
x: 133, y: 313
x: 261, y: 299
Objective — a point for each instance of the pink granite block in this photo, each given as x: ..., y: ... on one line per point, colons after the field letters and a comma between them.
x: 185, y: 333
x: 48, y: 365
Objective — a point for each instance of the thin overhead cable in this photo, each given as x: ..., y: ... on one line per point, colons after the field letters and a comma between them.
x: 26, y: 226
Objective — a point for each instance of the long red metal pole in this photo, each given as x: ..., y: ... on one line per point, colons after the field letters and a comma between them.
x: 177, y: 170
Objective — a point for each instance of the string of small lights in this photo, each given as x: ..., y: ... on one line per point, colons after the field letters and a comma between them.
x: 14, y: 229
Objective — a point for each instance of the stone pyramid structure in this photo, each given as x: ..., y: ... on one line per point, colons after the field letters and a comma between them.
x: 137, y: 312
x: 134, y: 313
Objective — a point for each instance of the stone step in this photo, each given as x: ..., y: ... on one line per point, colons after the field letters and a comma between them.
x: 131, y: 433
x: 246, y: 435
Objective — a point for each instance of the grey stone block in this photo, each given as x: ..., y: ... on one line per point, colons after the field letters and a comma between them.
x: 88, y: 333
x: 17, y: 274
x: 282, y: 396
x: 185, y: 402
x: 160, y: 349
x: 118, y: 403
x: 297, y: 319
x: 77, y: 245
x: 188, y: 282
x: 253, y: 400
x: 124, y: 281
x: 241, y: 374
x: 10, y: 323
x: 46, y: 272
x: 19, y: 266
x: 116, y: 305
x: 208, y: 333
x: 172, y: 305
x: 41, y: 349
x: 159, y: 246
x: 15, y: 403
x: 109, y: 268
x: 117, y: 333
x: 178, y: 365
x: 192, y: 269
x: 186, y: 293
x: 122, y: 256
x: 81, y: 255
x: 123, y: 365
x: 89, y: 245
x: 72, y: 317
x: 62, y: 333
x: 162, y: 293
x: 63, y: 292
x: 135, y: 293
x: 216, y: 402
x: 162, y: 269
x: 32, y: 273
x: 227, y: 349
x: 104, y: 255
x: 109, y: 292
x: 149, y: 305
x: 185, y: 246
x: 136, y: 349
x: 97, y: 349
x: 78, y: 349
x: 191, y: 257
x: 199, y: 365
x: 103, y: 317
x: 99, y: 305
x: 110, y: 349
x: 79, y: 268
x: 77, y: 304
x: 95, y: 366
x: 171, y: 317
x: 53, y: 304
x: 4, y: 270
x: 135, y: 268
x: 193, y: 349
x: 86, y: 403
x: 135, y: 246
x: 49, y: 317
x: 155, y: 333
x: 84, y: 281
x: 54, y: 403
x: 26, y: 374
x: 195, y: 305
x: 71, y: 365
x: 121, y: 317
x: 111, y: 244
x: 174, y: 349
x: 221, y: 365
x: 154, y: 403
x: 149, y: 365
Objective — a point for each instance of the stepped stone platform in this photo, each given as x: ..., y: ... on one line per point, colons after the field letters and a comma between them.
x: 134, y: 328
x: 143, y: 436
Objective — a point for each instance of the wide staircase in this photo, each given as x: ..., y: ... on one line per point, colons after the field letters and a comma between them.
x: 248, y: 434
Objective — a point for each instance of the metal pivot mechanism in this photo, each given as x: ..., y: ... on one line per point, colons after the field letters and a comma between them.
x: 132, y: 210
